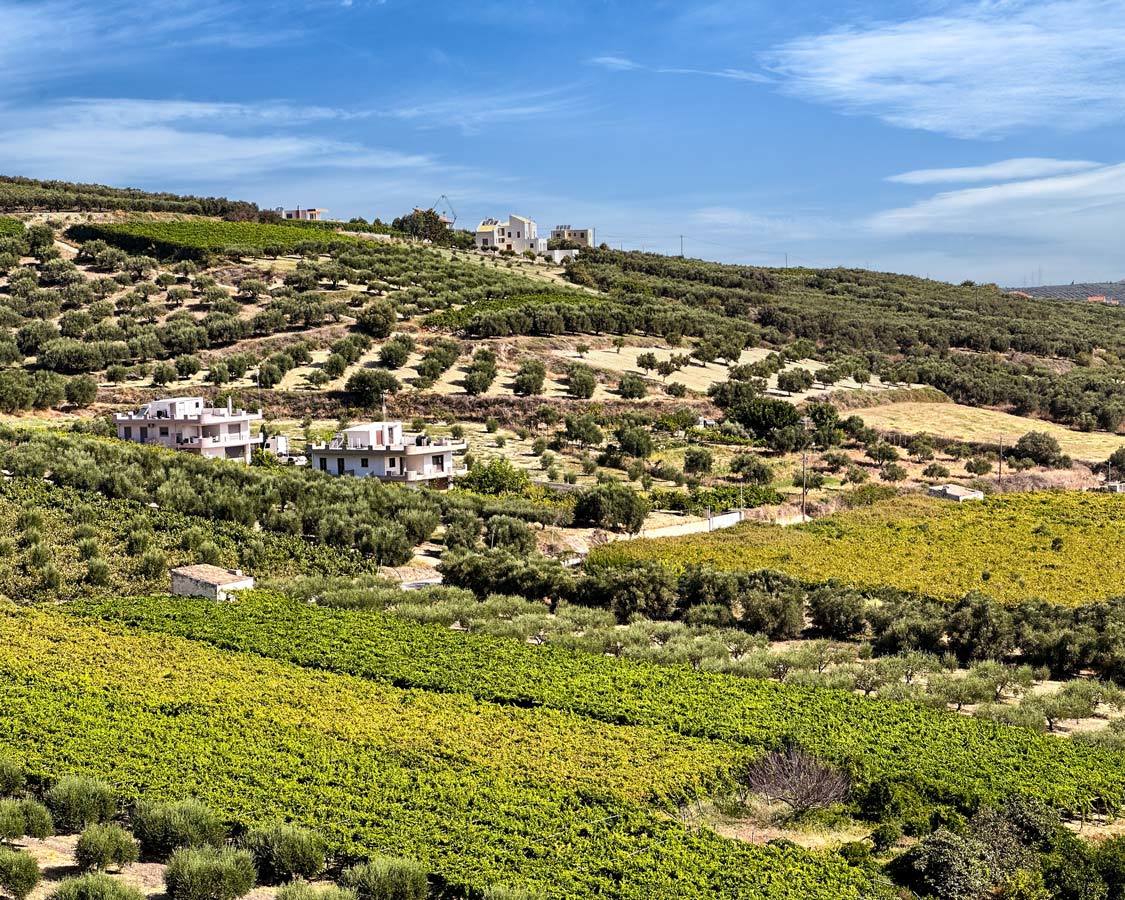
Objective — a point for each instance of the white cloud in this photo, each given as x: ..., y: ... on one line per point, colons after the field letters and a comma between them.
x: 132, y: 141
x: 1079, y: 209
x: 1005, y: 170
x: 473, y: 112
x: 982, y: 69
x: 616, y: 63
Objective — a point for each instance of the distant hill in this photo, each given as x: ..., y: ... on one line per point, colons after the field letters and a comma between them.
x: 30, y: 194
x: 1111, y: 290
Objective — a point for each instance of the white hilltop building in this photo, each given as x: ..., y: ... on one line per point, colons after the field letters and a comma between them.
x: 187, y: 423
x: 519, y: 234
x: 383, y: 450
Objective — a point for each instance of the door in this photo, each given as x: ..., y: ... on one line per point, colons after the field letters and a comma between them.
x: 340, y: 466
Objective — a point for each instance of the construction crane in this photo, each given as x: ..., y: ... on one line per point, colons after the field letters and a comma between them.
x: 450, y: 219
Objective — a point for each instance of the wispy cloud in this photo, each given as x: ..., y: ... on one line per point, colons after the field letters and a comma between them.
x: 471, y: 113
x: 1082, y: 208
x: 131, y: 141
x: 1005, y: 170
x: 981, y: 69
x: 617, y: 63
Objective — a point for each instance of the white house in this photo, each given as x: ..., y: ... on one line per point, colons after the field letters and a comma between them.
x: 305, y: 215
x: 383, y: 450
x: 186, y: 423
x: 583, y: 236
x: 519, y: 234
x: 212, y: 582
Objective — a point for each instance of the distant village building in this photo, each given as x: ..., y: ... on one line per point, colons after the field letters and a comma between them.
x: 383, y: 450
x: 583, y: 236
x: 212, y: 582
x: 1111, y: 487
x: 305, y: 215
x: 955, y: 492
x: 187, y: 423
x: 519, y: 234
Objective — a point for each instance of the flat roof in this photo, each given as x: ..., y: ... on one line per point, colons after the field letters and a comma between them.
x: 208, y: 574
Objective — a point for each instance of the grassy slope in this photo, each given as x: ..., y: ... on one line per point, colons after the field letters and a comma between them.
x: 1002, y: 546
x: 481, y: 793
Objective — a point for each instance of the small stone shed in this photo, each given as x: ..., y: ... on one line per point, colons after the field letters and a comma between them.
x: 213, y: 582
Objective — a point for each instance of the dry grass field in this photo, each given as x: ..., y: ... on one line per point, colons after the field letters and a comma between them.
x: 966, y: 423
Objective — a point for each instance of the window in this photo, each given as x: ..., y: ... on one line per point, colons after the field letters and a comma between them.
x: 391, y: 462
x: 128, y: 433
x: 439, y: 462
x: 144, y: 434
x: 323, y: 464
x: 163, y: 431
x: 363, y: 462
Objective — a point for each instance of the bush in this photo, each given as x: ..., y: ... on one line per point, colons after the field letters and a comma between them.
x: 285, y: 852
x: 498, y: 892
x: 697, y: 460
x: 206, y: 873
x: 302, y: 890
x: 12, y: 777
x: 162, y: 828
x: 511, y: 533
x: 388, y: 878
x: 95, y: 887
x: 102, y: 846
x: 76, y: 802
x: 886, y: 836
x: 24, y: 818
x: 19, y: 872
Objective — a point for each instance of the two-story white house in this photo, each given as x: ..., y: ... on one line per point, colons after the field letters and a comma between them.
x: 187, y: 423
x: 518, y: 234
x: 583, y: 236
x: 304, y: 215
x: 383, y: 450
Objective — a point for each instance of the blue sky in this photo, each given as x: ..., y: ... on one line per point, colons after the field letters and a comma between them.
x: 958, y: 140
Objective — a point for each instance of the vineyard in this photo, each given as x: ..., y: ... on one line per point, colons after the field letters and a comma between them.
x: 478, y: 792
x: 196, y: 238
x: 1062, y: 547
x: 952, y: 759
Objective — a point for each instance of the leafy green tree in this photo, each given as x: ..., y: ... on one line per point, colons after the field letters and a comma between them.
x: 580, y: 381
x: 76, y: 801
x: 370, y: 386
x: 631, y: 387
x: 283, y: 852
x: 611, y: 506
x: 530, y: 378
x: 751, y: 468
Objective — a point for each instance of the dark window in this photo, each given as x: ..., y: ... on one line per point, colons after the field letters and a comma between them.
x: 323, y: 464
x: 128, y: 432
x: 439, y: 462
x: 340, y: 466
x: 363, y: 462
x: 164, y: 432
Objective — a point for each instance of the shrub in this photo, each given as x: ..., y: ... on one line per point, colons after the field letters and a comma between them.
x: 95, y: 887
x: 580, y: 381
x: 886, y: 836
x: 697, y: 460
x: 388, y: 878
x: 103, y: 846
x: 206, y: 873
x: 284, y: 852
x: 76, y: 802
x: 302, y: 890
x: 19, y: 872
x: 24, y: 818
x: 12, y: 776
x: 162, y: 828
x: 498, y: 892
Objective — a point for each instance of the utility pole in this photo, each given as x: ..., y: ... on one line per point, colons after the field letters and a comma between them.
x: 805, y: 423
x: 1000, y: 470
x: 681, y: 246
x: 787, y: 259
